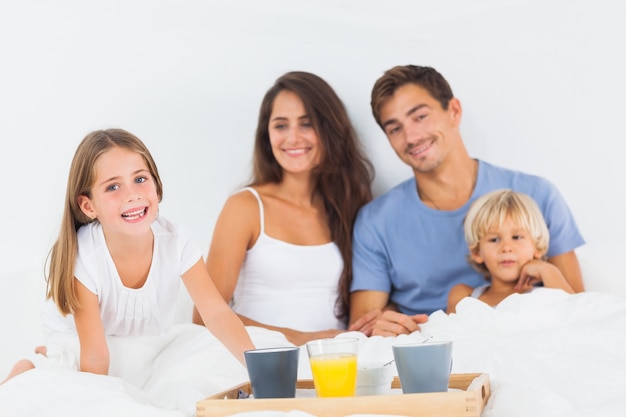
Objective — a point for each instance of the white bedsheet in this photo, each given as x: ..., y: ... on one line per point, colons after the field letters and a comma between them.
x: 547, y: 354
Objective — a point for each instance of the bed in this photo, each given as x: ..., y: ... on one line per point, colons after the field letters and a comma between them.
x: 547, y: 353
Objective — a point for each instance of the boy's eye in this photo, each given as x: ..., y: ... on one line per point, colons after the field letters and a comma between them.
x: 493, y: 239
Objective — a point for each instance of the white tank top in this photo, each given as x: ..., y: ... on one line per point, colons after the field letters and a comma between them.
x: 478, y: 291
x: 287, y: 285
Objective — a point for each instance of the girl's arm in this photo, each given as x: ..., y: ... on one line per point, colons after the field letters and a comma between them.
x: 296, y: 337
x: 216, y: 314
x: 236, y: 229
x: 94, y: 352
x: 541, y: 271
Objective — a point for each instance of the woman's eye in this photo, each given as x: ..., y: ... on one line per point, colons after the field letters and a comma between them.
x: 281, y: 126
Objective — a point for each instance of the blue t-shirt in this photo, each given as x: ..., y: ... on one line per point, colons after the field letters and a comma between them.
x: 416, y: 253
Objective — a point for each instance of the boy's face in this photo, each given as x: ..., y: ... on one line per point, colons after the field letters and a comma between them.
x: 505, y: 251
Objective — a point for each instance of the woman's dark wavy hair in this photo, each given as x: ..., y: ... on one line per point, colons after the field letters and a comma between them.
x: 344, y: 174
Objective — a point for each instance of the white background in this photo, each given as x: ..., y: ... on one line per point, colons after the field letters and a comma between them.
x: 541, y: 82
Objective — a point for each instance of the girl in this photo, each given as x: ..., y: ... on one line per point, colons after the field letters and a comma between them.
x: 507, y: 239
x: 282, y: 247
x: 116, y: 265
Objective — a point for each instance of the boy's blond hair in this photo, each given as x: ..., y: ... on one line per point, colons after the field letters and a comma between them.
x: 489, y: 211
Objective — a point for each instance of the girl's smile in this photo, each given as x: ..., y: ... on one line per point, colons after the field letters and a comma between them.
x: 133, y: 215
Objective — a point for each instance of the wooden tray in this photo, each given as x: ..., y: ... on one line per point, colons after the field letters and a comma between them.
x: 469, y: 402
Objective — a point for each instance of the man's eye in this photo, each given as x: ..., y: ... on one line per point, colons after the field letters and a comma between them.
x: 393, y: 130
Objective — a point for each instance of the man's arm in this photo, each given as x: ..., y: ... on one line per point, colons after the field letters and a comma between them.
x: 570, y: 268
x: 366, y: 307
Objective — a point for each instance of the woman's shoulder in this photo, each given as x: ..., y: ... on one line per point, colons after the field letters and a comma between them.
x: 241, y: 210
x: 243, y: 200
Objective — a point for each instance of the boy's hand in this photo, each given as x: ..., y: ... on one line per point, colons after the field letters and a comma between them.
x: 531, y: 274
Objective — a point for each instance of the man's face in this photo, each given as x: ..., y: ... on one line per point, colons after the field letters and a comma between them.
x: 420, y: 131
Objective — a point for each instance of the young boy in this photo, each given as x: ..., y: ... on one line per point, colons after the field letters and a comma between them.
x: 507, y: 238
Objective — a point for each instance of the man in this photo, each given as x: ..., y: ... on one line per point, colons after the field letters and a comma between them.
x: 408, y: 248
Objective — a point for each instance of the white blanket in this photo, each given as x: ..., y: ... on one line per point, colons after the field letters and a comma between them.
x: 547, y: 354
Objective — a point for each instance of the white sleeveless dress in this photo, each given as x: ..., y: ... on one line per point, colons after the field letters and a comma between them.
x: 287, y: 285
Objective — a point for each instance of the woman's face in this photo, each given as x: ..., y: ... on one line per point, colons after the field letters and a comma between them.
x: 294, y: 142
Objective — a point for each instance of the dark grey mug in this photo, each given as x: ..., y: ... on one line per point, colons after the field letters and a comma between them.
x: 273, y: 372
x: 424, y: 367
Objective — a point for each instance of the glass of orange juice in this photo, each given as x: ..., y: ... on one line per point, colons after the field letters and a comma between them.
x: 333, y: 365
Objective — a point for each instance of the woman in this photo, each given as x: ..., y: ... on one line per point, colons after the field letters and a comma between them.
x: 281, y: 250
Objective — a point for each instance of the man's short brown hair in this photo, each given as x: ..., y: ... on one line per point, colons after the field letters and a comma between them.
x: 394, y: 78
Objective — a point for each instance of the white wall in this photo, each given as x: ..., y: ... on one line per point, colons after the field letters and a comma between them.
x: 541, y: 82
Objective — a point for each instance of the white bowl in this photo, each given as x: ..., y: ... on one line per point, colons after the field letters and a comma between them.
x: 374, y: 380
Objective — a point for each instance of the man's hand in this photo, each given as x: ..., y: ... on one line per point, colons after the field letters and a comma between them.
x: 366, y: 323
x: 392, y: 323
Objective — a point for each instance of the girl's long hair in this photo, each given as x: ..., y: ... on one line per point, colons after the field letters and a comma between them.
x: 62, y: 256
x: 344, y: 175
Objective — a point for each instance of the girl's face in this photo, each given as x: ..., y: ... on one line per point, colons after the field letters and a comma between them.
x: 123, y: 197
x: 505, y: 251
x: 294, y: 142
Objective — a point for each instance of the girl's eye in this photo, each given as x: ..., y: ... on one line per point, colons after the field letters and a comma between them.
x: 140, y: 180
x: 112, y: 187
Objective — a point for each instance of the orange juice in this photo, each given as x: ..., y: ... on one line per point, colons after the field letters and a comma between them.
x: 334, y: 374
